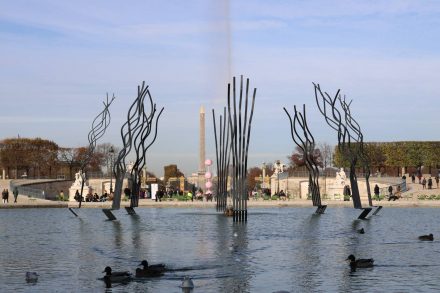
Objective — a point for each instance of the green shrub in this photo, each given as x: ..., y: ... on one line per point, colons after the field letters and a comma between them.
x: 181, y: 198
x: 275, y: 197
x: 266, y: 197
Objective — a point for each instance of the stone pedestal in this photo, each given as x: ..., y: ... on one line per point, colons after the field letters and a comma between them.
x: 73, y: 189
x: 77, y: 186
x: 336, y: 192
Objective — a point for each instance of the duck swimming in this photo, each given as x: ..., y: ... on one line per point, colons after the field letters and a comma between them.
x: 31, y: 277
x: 187, y: 283
x: 156, y: 270
x: 429, y: 237
x: 115, y: 277
x: 361, y: 231
x: 360, y: 263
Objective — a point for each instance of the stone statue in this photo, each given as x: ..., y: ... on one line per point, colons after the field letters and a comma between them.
x: 340, y: 177
x: 78, y: 179
x: 130, y: 166
x: 278, y: 167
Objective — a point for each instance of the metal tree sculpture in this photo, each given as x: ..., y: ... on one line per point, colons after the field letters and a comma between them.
x: 358, y: 137
x: 240, y: 131
x: 305, y: 141
x: 334, y: 120
x: 135, y: 133
x: 99, y: 126
x: 222, y: 153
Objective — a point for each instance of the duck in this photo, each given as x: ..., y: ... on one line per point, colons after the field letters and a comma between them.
x: 31, y: 277
x: 155, y: 270
x: 115, y: 277
x: 229, y: 212
x: 361, y: 231
x: 360, y: 263
x: 429, y: 237
x: 187, y: 283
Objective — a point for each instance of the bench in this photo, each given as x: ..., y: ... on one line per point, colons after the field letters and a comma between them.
x: 407, y: 195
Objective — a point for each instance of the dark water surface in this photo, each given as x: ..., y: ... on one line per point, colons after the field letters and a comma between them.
x: 278, y: 249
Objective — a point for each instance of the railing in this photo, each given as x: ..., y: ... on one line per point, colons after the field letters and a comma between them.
x: 96, y: 175
x: 29, y: 191
x: 401, y: 187
x: 328, y: 173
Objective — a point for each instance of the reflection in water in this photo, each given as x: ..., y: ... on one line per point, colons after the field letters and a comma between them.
x: 117, y: 234
x: 135, y: 232
x: 277, y: 249
x: 239, y: 253
x: 309, y: 253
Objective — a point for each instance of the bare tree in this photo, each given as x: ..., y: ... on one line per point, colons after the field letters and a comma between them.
x: 68, y: 156
x: 326, y: 154
x: 109, y: 151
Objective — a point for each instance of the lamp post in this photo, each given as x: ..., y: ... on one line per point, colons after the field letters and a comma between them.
x: 263, y: 169
x: 111, y: 151
x: 278, y: 175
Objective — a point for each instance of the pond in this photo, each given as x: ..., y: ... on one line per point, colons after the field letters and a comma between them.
x: 278, y: 249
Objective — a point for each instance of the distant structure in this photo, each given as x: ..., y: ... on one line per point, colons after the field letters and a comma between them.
x: 202, y: 169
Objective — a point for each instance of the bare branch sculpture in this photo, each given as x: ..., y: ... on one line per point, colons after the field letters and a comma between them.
x: 334, y: 120
x: 222, y: 153
x: 358, y: 137
x: 99, y: 126
x: 135, y: 132
x: 240, y: 131
x: 304, y: 139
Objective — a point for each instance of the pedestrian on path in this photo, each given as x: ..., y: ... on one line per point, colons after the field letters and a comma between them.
x: 430, y: 183
x: 376, y: 192
x: 436, y: 180
x: 423, y: 183
x: 15, y: 192
x: 4, y: 196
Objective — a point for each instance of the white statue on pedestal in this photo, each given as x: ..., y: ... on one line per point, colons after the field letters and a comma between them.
x: 130, y: 166
x: 78, y: 178
x: 340, y: 177
x: 278, y: 167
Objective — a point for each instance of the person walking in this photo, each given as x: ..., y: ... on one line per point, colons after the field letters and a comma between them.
x: 437, y: 180
x: 4, y: 195
x: 376, y: 192
x: 423, y: 183
x: 15, y: 192
x: 413, y: 178
x: 390, y: 190
x: 430, y: 183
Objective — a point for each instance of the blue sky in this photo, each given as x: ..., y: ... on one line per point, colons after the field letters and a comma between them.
x: 58, y: 59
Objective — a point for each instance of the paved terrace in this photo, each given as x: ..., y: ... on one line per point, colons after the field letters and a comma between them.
x: 410, y: 199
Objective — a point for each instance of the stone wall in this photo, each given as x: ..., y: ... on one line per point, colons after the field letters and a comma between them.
x: 297, y: 187
x: 52, y: 189
x: 95, y: 185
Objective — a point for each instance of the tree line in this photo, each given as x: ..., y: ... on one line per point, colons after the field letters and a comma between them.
x: 37, y: 157
x: 397, y: 155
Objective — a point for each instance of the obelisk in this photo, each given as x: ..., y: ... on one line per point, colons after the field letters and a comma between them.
x: 201, y: 171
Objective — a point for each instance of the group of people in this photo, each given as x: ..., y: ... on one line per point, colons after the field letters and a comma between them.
x: 391, y: 195
x: 93, y: 197
x: 425, y: 183
x: 429, y: 182
x: 196, y: 194
x: 5, y: 195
